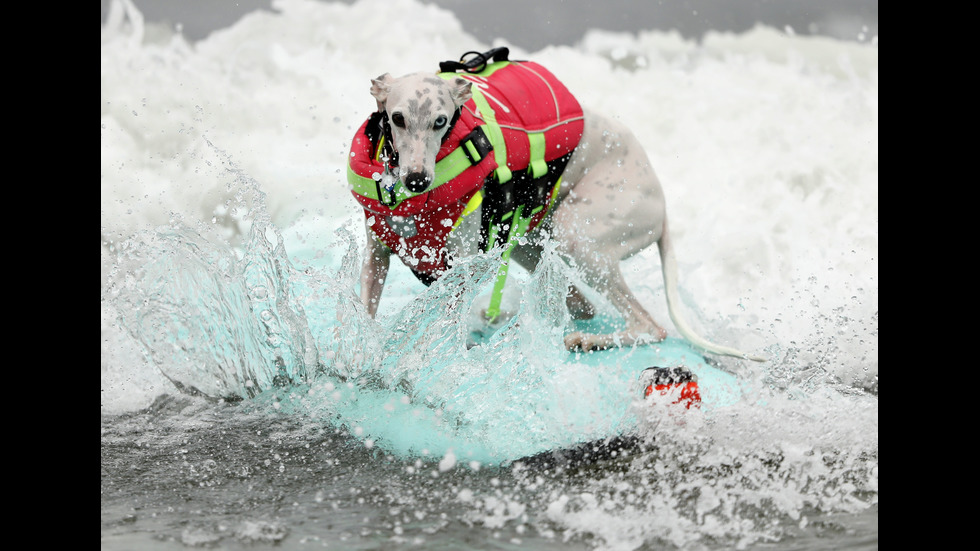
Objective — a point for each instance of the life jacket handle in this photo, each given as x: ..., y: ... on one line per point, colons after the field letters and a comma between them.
x: 477, y: 63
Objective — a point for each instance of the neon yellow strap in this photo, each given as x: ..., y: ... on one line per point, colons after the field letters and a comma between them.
x: 538, y: 165
x: 494, y: 134
x: 474, y: 204
x: 520, y: 228
x: 493, y: 310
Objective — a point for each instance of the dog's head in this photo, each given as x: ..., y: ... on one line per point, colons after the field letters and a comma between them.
x: 420, y: 107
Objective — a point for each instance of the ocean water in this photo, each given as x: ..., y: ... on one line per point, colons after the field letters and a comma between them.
x: 248, y: 402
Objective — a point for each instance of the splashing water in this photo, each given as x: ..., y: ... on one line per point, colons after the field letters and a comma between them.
x: 234, y: 322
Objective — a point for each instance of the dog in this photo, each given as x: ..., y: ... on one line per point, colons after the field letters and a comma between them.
x: 600, y: 203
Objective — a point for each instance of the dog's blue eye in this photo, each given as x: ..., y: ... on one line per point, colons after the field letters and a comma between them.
x: 440, y: 122
x: 398, y: 120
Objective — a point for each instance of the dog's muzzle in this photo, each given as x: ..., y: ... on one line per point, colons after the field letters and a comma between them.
x: 417, y: 182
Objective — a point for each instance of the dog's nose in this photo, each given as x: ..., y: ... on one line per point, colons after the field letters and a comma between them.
x: 417, y: 182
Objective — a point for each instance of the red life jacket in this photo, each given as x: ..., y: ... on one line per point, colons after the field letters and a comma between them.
x: 507, y: 148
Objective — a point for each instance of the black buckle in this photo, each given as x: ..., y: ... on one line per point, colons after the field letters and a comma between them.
x: 476, y: 63
x: 391, y: 194
x: 480, y: 142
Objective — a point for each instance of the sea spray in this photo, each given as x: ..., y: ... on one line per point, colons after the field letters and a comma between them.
x: 218, y: 320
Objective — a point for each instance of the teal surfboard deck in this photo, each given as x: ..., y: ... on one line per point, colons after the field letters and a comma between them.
x: 493, y: 428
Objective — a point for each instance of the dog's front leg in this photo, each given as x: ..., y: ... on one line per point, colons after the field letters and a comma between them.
x: 374, y: 270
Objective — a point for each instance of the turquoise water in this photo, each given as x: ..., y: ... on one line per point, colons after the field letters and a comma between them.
x: 244, y: 322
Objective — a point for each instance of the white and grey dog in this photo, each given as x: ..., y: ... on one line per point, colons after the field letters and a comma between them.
x: 609, y: 206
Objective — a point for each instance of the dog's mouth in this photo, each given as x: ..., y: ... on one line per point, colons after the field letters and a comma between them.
x: 417, y: 182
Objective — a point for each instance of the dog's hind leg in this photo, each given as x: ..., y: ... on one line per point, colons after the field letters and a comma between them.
x: 640, y: 325
x: 614, y: 208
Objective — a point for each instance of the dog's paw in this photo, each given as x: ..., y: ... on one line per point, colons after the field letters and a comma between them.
x: 579, y: 341
x: 588, y: 342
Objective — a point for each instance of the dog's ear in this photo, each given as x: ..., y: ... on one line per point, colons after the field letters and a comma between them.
x: 379, y: 89
x: 460, y: 92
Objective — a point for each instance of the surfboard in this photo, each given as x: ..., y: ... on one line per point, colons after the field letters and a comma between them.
x: 524, y: 407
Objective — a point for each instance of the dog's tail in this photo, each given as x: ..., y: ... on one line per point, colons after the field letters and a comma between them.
x: 669, y: 264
